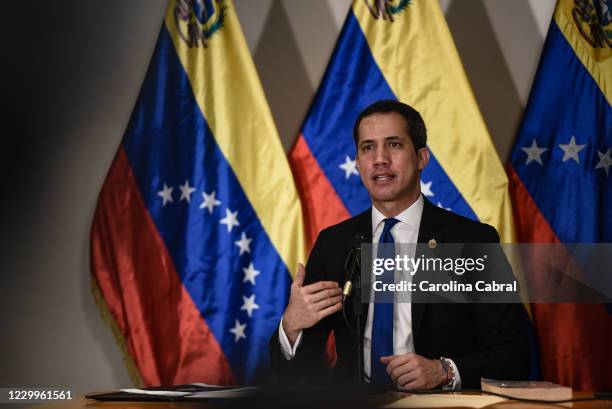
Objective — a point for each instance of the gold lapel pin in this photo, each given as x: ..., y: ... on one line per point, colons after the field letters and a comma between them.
x: 433, y: 243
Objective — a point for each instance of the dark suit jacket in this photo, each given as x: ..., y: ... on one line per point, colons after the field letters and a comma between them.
x: 484, y: 340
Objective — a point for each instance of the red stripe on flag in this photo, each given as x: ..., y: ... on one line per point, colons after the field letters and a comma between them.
x: 320, y: 204
x: 164, y: 332
x: 530, y: 224
x: 574, y: 339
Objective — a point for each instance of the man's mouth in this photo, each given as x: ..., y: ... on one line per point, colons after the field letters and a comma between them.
x: 384, y: 177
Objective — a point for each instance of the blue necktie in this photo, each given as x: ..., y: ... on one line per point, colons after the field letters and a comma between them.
x: 382, y: 325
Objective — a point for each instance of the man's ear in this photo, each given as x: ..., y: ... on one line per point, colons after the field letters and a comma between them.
x: 423, y: 156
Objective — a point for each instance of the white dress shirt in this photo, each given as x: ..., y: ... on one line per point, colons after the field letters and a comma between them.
x: 406, y: 231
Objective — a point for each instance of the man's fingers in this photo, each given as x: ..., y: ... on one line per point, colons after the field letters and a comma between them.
x: 321, y: 305
x: 320, y: 285
x: 330, y: 310
x: 386, y: 359
x: 409, y: 367
x: 406, y: 379
x: 397, y: 361
x: 301, y: 274
x: 324, y: 294
x: 412, y: 384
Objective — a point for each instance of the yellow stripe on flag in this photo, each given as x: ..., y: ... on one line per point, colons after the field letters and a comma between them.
x: 417, y: 57
x: 228, y: 91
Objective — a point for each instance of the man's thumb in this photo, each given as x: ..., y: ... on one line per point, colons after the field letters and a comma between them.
x: 301, y: 273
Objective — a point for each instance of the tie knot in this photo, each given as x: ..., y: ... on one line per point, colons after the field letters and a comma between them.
x: 389, y: 223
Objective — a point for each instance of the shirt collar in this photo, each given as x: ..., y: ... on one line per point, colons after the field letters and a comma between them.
x: 410, y: 216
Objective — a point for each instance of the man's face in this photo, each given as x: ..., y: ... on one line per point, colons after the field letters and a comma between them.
x: 387, y: 161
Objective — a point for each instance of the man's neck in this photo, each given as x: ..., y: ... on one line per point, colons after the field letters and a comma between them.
x: 392, y: 209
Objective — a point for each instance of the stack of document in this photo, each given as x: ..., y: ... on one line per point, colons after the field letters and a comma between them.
x: 194, y: 391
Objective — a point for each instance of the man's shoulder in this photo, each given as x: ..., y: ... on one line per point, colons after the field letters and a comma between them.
x: 459, y: 228
x: 360, y: 224
x: 333, y: 243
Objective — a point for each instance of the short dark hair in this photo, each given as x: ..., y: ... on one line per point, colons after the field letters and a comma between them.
x: 414, y: 121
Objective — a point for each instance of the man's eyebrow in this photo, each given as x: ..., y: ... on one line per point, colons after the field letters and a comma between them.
x: 388, y: 138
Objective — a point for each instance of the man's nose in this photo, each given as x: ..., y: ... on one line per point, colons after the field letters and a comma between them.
x: 381, y: 157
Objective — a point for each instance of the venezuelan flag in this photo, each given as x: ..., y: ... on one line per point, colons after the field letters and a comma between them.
x: 561, y: 180
x: 399, y: 50
x: 198, y: 224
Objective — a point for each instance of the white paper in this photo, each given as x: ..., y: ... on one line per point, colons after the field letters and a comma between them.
x: 225, y: 393
x: 209, y: 386
x: 156, y: 393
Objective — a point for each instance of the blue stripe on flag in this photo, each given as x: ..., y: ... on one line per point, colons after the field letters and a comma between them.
x: 566, y: 102
x: 353, y: 81
x: 169, y: 142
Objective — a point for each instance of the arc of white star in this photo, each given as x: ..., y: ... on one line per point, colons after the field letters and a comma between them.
x: 442, y: 207
x: 238, y: 331
x: 210, y: 201
x: 250, y: 273
x: 534, y: 153
x: 349, y: 167
x: 249, y: 305
x: 426, y: 188
x: 166, y: 194
x: 571, y: 150
x: 605, y: 161
x: 244, y: 244
x: 230, y: 219
x: 186, y: 191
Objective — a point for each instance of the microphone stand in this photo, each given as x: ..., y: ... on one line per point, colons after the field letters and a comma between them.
x: 353, y: 291
x: 357, y: 312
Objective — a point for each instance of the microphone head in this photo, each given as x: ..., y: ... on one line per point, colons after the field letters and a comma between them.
x: 358, y: 239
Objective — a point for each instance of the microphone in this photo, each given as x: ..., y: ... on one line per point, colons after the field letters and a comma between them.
x: 352, y: 265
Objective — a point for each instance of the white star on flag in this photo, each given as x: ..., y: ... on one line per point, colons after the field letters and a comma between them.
x: 249, y: 305
x: 244, y: 243
x: 442, y: 207
x: 238, y: 331
x: 209, y: 201
x: 571, y: 150
x: 230, y: 220
x: 250, y: 273
x: 426, y: 188
x: 349, y: 167
x: 166, y: 194
x: 186, y: 191
x: 605, y: 161
x: 534, y: 153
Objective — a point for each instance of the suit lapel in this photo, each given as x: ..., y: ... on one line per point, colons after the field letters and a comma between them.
x: 428, y: 230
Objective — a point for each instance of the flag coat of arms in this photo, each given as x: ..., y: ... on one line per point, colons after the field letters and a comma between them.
x: 198, y: 225
x: 561, y: 181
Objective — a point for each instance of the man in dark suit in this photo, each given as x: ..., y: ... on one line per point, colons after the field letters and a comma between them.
x: 406, y: 345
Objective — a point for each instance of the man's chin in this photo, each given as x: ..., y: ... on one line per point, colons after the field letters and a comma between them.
x: 386, y: 197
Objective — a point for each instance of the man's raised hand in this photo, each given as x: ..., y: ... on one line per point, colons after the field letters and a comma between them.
x: 309, y: 304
